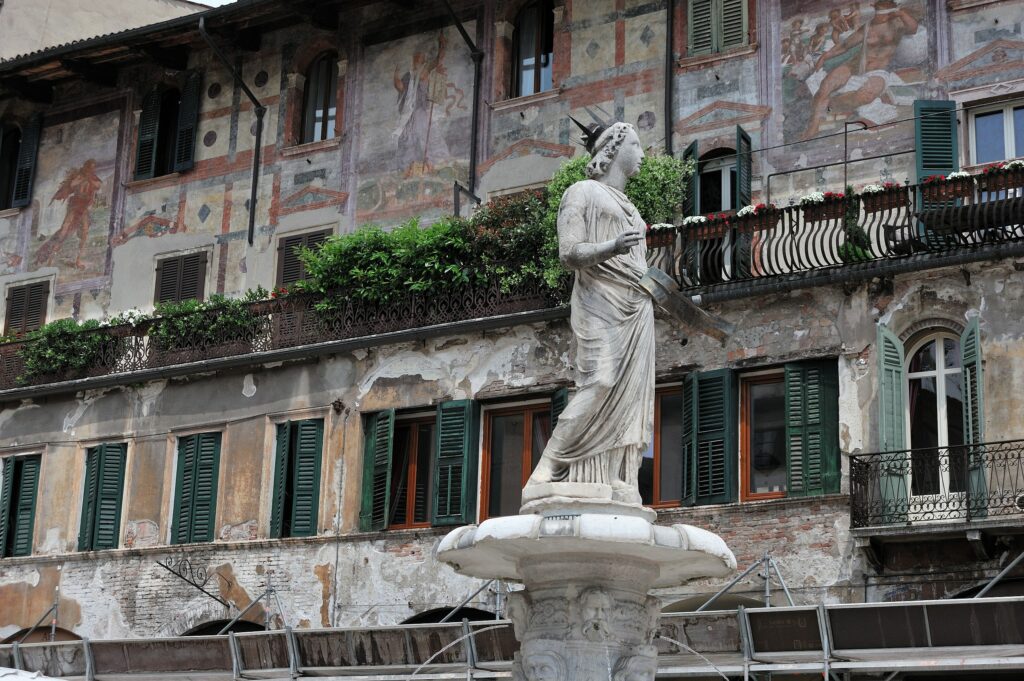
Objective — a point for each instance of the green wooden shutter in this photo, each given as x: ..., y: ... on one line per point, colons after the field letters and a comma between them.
x: 92, y: 480
x: 812, y: 428
x: 149, y: 128
x: 893, y: 467
x: 188, y: 122
x: 109, y: 492
x: 974, y: 418
x: 744, y: 170
x: 309, y: 435
x: 25, y: 505
x: 455, y: 466
x: 204, y: 498
x: 558, y: 402
x: 181, y: 522
x: 6, y: 502
x: 700, y: 27
x: 733, y: 24
x: 378, y: 442
x: 281, y: 467
x: 713, y: 447
x: 25, y: 173
x: 935, y: 134
x: 692, y: 204
x: 688, y: 495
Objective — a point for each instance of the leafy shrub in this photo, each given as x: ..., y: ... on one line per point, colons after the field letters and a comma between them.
x: 191, y: 323
x: 64, y: 346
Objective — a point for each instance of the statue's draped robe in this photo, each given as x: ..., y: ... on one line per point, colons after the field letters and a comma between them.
x: 613, y: 324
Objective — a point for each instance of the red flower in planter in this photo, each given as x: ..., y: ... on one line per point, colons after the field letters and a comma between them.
x: 279, y: 292
x: 932, y: 179
x: 993, y: 168
x: 833, y: 196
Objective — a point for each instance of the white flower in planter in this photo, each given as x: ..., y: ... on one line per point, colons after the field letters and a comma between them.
x: 746, y: 210
x: 694, y: 220
x: 812, y: 199
x: 1015, y: 164
x: 959, y: 175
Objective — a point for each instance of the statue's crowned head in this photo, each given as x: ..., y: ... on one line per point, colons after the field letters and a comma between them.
x: 606, y: 149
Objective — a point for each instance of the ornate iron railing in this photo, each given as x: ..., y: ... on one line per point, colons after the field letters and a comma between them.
x: 288, y: 322
x: 937, y: 217
x: 962, y: 483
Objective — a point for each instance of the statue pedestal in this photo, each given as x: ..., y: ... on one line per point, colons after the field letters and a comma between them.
x: 585, y: 614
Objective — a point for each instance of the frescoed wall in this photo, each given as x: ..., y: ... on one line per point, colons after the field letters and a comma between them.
x: 417, y: 94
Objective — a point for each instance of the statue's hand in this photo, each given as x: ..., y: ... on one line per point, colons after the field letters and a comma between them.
x: 625, y: 241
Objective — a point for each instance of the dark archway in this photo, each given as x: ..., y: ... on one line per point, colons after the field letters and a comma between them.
x: 724, y: 602
x: 1005, y: 587
x: 42, y: 635
x: 213, y: 628
x: 437, y: 614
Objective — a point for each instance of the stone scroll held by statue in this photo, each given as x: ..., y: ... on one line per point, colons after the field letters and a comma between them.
x: 596, y: 448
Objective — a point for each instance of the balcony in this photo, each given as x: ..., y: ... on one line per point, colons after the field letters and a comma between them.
x: 290, y: 327
x: 903, y: 229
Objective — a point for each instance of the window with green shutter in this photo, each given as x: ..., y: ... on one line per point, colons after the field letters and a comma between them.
x: 26, y: 308
x: 290, y: 268
x: 195, y: 498
x: 101, y: 499
x: 18, y: 489
x: 709, y: 437
x: 167, y: 128
x: 937, y: 154
x: 716, y: 25
x: 297, y: 463
x: 180, y: 278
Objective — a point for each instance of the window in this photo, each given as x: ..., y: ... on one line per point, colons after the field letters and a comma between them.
x: 716, y: 25
x: 18, y: 151
x: 167, y: 129
x: 935, y: 128
x: 320, y: 101
x: 101, y: 499
x: 290, y: 268
x: 420, y: 469
x: 533, y: 49
x: 296, y: 493
x: 781, y: 429
x: 997, y: 133
x: 26, y: 307
x: 180, y: 278
x: 514, y: 439
x: 18, y: 504
x: 661, y: 471
x: 195, y: 488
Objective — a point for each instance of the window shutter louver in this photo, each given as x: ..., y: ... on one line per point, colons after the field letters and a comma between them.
x: 25, y: 512
x: 893, y: 467
x: 35, y: 308
x: 6, y: 501
x: 188, y: 122
x: 455, y: 466
x: 17, y: 303
x: 149, y: 127
x: 812, y: 434
x: 184, y: 494
x: 306, y: 487
x: 109, y: 491
x: 701, y: 27
x: 716, y: 437
x: 92, y: 481
x: 204, y: 497
x: 168, y: 280
x: 289, y: 269
x: 689, y: 429
x: 692, y: 204
x: 744, y: 169
x: 193, y: 276
x: 974, y: 417
x: 733, y: 23
x: 24, y: 174
x: 280, y: 501
x: 936, y: 138
x: 558, y: 402
x: 378, y: 443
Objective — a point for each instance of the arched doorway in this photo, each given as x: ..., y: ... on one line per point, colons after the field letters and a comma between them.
x: 42, y: 635
x: 437, y: 614
x: 213, y: 628
x: 723, y: 602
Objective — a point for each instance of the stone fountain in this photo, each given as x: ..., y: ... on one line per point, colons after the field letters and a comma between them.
x: 584, y: 547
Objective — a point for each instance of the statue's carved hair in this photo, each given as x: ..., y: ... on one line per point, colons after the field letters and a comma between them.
x: 606, y: 148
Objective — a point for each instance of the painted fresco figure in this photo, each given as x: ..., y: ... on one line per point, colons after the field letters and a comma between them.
x: 607, y: 425
x: 78, y: 192
x: 856, y: 69
x: 420, y: 90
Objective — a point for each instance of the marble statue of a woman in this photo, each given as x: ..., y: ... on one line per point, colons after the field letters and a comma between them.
x: 606, y: 427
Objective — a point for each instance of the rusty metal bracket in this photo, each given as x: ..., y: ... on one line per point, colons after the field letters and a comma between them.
x: 196, y: 577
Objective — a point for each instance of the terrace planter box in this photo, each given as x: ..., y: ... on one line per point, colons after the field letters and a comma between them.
x: 712, y: 229
x: 947, y: 191
x: 161, y: 357
x: 761, y: 221
x: 829, y: 210
x: 663, y: 238
x: 1002, y: 181
x: 891, y: 199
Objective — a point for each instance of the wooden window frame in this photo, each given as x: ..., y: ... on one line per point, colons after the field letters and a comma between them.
x: 745, y: 381
x: 1010, y: 143
x: 526, y: 453
x: 202, y: 267
x: 43, y: 314
x: 279, y: 272
x: 413, y: 423
x: 541, y: 30
x: 309, y: 108
x: 8, y: 170
x: 659, y: 393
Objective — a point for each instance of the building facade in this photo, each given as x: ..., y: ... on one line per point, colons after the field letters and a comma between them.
x: 327, y: 458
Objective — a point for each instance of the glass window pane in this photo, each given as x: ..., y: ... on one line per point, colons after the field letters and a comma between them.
x: 1018, y: 130
x: 954, y: 411
x: 711, y: 191
x: 541, y: 432
x: 526, y: 35
x: 645, y: 478
x: 424, y: 473
x: 767, y: 446
x: 951, y: 350
x: 924, y: 359
x: 670, y: 446
x: 506, y: 448
x: 924, y: 434
x: 988, y: 137
x: 399, y: 475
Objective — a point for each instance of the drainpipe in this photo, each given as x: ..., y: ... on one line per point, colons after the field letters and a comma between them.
x: 260, y: 113
x: 478, y: 57
x: 670, y: 39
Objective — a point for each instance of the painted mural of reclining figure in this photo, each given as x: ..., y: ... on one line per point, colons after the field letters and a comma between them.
x: 607, y: 425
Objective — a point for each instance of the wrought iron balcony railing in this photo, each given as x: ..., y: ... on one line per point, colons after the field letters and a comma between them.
x: 933, y: 218
x: 963, y: 483
x: 288, y: 322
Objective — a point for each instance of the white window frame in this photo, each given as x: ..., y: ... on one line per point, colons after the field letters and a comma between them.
x: 1009, y: 143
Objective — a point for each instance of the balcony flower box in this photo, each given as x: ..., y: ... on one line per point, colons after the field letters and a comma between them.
x: 663, y: 237
x: 1002, y: 177
x: 888, y: 196
x: 706, y: 227
x: 758, y: 217
x: 820, y: 206
x: 954, y: 186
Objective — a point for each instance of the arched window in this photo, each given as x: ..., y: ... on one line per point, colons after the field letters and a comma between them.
x: 717, y: 184
x: 10, y: 144
x: 167, y: 130
x: 533, y: 48
x: 320, y: 102
x: 167, y: 133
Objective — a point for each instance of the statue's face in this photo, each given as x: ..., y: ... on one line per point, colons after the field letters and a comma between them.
x: 630, y: 154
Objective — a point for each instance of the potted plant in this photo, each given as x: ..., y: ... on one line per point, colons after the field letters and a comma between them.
x: 884, y: 196
x: 758, y: 217
x: 662, y: 235
x: 819, y: 206
x: 710, y: 226
x: 65, y: 349
x: 856, y: 246
x: 191, y: 330
x: 956, y: 185
x: 1002, y: 176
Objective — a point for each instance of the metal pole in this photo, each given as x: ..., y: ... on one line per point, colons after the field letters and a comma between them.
x: 463, y: 603
x: 241, y: 614
x: 767, y: 581
x: 478, y: 57
x: 36, y: 625
x: 728, y: 586
x: 270, y: 592
x: 1002, y: 573
x: 56, y: 613
x: 782, y: 581
x: 670, y: 39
